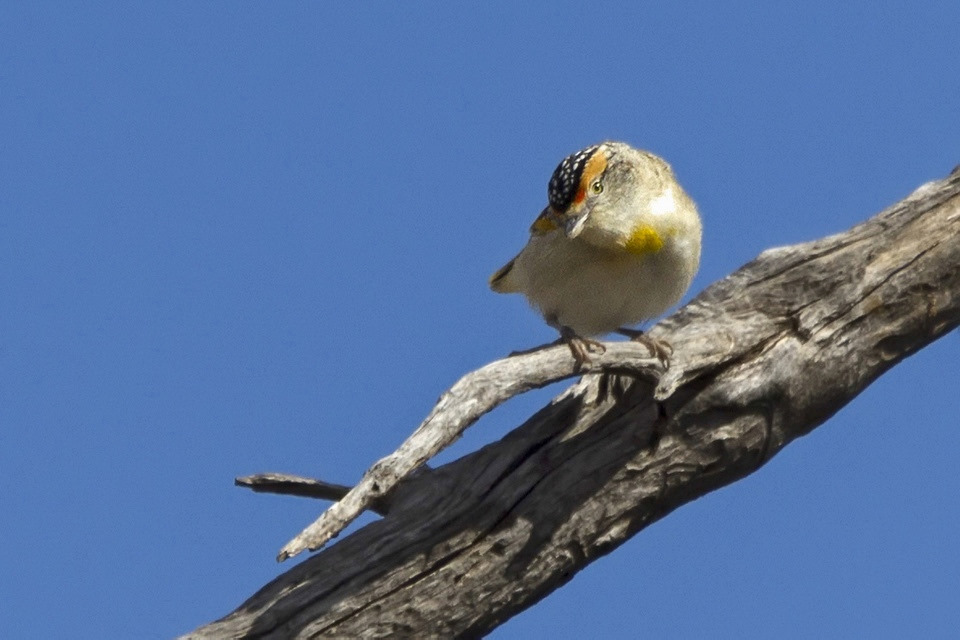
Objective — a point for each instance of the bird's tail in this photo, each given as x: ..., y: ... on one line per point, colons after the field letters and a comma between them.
x: 501, y: 282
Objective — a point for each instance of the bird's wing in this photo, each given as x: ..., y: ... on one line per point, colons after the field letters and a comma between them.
x: 543, y: 224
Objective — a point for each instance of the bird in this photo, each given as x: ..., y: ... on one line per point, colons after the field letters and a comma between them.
x: 617, y: 244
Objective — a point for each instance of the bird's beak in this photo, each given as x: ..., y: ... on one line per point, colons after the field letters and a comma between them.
x: 573, y: 225
x: 570, y: 221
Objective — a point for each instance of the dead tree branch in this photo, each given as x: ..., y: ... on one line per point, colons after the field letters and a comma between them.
x: 470, y: 398
x: 761, y: 358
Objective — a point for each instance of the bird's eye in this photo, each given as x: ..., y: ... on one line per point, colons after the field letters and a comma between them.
x: 597, y: 187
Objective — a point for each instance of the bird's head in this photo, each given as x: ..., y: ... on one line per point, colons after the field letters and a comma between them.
x: 614, y: 196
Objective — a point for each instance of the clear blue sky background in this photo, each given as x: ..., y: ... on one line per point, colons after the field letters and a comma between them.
x: 241, y: 237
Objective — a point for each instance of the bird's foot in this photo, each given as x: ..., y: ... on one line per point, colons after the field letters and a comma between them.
x: 659, y: 349
x: 580, y: 347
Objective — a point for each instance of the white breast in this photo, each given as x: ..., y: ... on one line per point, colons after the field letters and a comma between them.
x: 592, y: 292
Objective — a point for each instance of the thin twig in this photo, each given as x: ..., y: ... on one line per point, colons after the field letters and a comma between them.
x: 470, y: 398
x: 291, y: 485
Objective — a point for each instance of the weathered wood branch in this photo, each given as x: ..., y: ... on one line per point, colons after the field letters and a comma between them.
x: 765, y: 356
x: 475, y: 394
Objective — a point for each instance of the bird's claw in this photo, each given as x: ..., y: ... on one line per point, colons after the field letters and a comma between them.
x: 580, y: 347
x: 659, y: 349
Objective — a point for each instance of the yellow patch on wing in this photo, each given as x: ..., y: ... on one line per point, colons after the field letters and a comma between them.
x: 643, y: 240
x: 543, y: 224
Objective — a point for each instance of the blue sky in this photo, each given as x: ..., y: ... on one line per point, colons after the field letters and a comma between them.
x: 241, y: 237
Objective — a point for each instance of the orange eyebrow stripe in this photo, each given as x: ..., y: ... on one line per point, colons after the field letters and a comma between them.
x: 596, y: 165
x: 581, y: 194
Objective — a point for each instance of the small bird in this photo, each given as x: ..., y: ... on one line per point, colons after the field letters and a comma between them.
x: 617, y: 244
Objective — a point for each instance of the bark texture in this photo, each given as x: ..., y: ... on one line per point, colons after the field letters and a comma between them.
x: 761, y: 358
